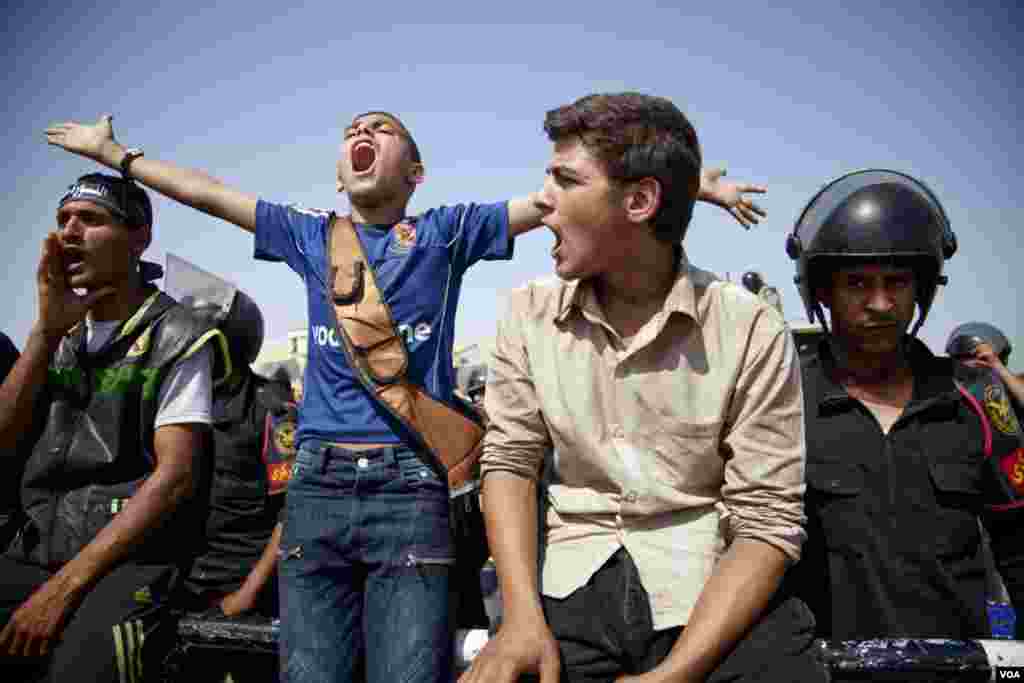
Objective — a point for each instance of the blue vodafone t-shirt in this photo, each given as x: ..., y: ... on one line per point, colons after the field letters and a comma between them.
x: 419, y: 271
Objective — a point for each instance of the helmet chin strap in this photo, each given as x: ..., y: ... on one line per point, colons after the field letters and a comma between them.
x: 817, y: 312
x: 150, y: 271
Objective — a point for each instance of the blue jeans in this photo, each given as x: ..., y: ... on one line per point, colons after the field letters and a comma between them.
x: 366, y: 554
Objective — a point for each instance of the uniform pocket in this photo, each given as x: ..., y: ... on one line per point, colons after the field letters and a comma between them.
x: 834, y: 496
x: 958, y: 489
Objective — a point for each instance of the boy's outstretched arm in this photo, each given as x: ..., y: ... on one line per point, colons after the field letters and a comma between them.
x: 191, y: 187
x: 527, y: 213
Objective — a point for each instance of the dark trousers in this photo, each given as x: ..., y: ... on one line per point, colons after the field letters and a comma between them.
x: 604, y: 630
x: 102, y: 639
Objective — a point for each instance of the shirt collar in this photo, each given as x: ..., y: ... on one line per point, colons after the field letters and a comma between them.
x: 682, y: 298
x: 930, y: 382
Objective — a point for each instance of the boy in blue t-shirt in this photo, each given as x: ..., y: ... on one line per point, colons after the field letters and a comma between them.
x: 366, y: 550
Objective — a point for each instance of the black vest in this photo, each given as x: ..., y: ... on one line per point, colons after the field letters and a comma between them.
x: 96, y: 448
x: 253, y: 432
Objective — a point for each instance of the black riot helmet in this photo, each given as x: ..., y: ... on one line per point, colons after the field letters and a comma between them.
x: 867, y: 216
x: 752, y: 281
x: 231, y: 310
x: 965, y: 337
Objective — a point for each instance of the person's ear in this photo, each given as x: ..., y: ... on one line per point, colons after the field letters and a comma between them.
x: 417, y: 173
x: 642, y: 199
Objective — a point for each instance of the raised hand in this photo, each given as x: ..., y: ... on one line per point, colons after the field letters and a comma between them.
x: 60, y: 307
x: 730, y: 196
x: 94, y: 141
x: 985, y: 356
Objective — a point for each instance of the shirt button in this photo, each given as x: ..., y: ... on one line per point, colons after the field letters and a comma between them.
x: 423, y: 474
x: 362, y: 462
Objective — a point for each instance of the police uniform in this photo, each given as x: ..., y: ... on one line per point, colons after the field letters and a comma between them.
x: 894, y: 546
x: 254, y: 447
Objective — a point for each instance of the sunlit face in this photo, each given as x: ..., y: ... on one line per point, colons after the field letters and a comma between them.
x: 871, y: 306
x: 585, y: 213
x: 98, y: 248
x: 376, y: 164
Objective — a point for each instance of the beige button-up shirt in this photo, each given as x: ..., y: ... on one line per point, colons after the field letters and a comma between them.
x: 690, y: 437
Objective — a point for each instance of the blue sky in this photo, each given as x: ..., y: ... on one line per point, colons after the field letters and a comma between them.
x: 789, y: 97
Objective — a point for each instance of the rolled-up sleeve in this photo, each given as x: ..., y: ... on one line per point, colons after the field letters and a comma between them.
x: 765, y: 447
x: 517, y: 436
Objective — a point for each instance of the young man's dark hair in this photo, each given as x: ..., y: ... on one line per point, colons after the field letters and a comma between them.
x: 637, y: 136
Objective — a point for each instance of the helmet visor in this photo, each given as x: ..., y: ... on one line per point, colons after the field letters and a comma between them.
x: 203, y: 292
x: 825, y: 203
x: 965, y: 337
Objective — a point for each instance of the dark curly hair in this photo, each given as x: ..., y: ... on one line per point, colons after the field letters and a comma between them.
x: 638, y: 136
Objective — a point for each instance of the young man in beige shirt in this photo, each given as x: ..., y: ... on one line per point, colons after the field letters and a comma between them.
x: 673, y: 403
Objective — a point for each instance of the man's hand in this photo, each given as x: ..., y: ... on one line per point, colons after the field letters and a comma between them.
x: 984, y: 356
x: 94, y: 141
x: 516, y: 651
x: 38, y: 623
x: 60, y: 308
x: 729, y: 196
x: 237, y: 603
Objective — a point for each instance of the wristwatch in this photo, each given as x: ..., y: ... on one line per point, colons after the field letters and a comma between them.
x: 130, y: 155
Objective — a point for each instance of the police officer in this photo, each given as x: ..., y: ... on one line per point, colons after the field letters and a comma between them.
x: 897, y: 473
x: 983, y: 346
x: 253, y: 448
x: 119, y: 379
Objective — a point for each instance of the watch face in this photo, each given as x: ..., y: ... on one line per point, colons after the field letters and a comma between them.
x: 130, y: 156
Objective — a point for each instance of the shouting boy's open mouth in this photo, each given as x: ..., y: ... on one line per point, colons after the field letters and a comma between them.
x: 364, y: 155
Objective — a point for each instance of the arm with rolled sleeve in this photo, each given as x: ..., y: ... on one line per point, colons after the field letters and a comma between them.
x: 517, y: 436
x: 763, y: 499
x: 764, y: 472
x: 517, y: 439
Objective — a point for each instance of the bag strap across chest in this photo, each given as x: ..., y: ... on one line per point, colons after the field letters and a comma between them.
x: 377, y: 354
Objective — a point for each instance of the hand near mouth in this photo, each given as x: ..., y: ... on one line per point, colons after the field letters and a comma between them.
x: 60, y: 308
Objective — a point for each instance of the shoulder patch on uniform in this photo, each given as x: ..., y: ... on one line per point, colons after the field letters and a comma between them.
x: 279, y: 450
x: 1012, y: 465
x: 999, y: 410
